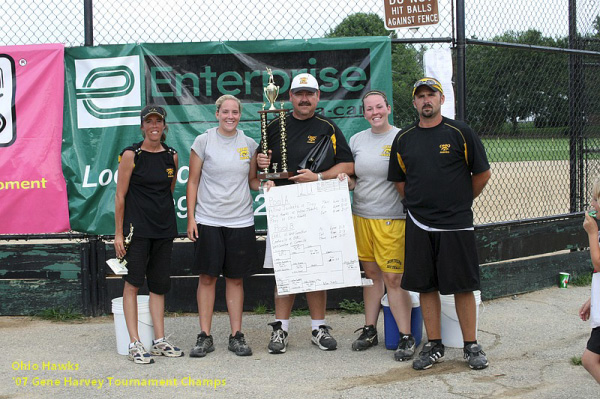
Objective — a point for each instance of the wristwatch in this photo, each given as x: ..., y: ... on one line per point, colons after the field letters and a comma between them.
x: 319, y: 176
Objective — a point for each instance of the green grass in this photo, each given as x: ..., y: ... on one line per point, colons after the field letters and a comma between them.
x: 526, y: 149
x: 174, y: 313
x: 581, y: 280
x: 260, y: 308
x: 300, y: 312
x: 576, y: 360
x: 352, y: 307
x: 59, y: 314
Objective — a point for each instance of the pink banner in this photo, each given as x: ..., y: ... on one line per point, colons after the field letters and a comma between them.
x: 33, y: 194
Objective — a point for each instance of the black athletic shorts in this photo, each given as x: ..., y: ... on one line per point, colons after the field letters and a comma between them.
x: 224, y: 250
x: 593, y: 344
x: 149, y: 258
x: 444, y: 261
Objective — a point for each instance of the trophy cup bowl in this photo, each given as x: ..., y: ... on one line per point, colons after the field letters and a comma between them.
x: 271, y: 92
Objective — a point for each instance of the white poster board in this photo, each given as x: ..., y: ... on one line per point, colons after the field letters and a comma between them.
x: 312, y: 237
x: 438, y: 64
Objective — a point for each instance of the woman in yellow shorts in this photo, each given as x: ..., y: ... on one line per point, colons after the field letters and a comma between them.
x: 379, y: 222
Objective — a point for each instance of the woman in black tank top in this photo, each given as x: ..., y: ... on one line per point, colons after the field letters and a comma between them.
x: 144, y: 207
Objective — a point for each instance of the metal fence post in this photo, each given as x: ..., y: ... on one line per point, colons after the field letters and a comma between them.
x: 94, y: 274
x: 575, y: 139
x: 88, y: 22
x: 461, y: 81
x: 102, y: 288
x: 85, y: 277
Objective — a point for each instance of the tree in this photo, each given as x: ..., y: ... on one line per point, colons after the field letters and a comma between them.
x: 509, y: 84
x: 406, y: 68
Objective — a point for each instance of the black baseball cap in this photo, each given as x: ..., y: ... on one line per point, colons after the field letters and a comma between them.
x: 153, y: 110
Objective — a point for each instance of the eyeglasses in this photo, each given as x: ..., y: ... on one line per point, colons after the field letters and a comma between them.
x: 429, y: 82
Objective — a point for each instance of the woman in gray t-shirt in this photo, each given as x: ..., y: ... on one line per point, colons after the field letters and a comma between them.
x: 379, y: 223
x: 221, y: 220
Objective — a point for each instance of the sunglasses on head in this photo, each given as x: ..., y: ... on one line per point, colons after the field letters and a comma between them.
x: 429, y: 82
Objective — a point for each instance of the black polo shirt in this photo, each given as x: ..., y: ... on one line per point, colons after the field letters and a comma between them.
x: 302, y: 135
x: 436, y: 164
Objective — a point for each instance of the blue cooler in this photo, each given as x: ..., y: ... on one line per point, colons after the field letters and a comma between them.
x: 391, y: 333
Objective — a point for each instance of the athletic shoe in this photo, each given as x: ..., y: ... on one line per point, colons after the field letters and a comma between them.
x: 204, y: 345
x: 323, y: 339
x: 138, y: 354
x: 475, y: 356
x: 238, y: 345
x: 279, y: 339
x: 406, y: 348
x: 162, y: 347
x: 366, y: 339
x: 430, y: 354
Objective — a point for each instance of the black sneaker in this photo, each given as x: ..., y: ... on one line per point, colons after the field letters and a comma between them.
x: 204, y: 345
x: 366, y: 339
x: 431, y: 353
x: 406, y: 348
x: 238, y: 345
x: 475, y: 356
x: 279, y: 339
x: 323, y: 339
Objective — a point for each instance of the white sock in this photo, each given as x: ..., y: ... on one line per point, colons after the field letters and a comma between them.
x: 156, y: 341
x: 316, y: 323
x: 285, y: 324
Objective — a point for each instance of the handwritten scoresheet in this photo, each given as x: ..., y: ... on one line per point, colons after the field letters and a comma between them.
x: 312, y: 237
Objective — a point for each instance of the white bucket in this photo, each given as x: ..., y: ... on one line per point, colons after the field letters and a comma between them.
x: 451, y: 332
x: 145, y: 326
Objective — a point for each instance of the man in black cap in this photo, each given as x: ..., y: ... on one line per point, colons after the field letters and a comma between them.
x: 439, y: 166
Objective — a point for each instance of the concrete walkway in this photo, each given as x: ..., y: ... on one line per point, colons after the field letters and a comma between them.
x: 529, y: 339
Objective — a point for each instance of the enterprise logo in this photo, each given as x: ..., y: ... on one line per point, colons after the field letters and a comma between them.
x: 108, y: 92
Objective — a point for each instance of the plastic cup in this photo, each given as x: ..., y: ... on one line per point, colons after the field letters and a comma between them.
x: 563, y: 279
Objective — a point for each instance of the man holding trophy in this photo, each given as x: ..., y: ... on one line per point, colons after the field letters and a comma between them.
x: 303, y: 147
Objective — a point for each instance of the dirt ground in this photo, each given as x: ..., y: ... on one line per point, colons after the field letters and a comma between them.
x: 529, y: 339
x: 524, y: 190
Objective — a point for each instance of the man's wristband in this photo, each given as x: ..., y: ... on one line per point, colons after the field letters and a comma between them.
x: 319, y: 176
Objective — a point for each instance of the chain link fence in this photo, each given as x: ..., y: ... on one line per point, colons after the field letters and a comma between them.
x: 532, y: 99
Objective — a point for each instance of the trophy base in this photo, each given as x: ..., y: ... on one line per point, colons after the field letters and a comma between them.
x: 275, y: 175
x: 117, y: 266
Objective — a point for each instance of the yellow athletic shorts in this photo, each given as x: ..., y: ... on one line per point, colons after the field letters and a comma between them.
x: 381, y: 241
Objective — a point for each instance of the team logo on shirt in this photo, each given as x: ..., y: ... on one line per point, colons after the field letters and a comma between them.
x: 244, y: 153
x: 311, y: 139
x: 386, y: 151
x: 444, y: 148
x: 170, y: 172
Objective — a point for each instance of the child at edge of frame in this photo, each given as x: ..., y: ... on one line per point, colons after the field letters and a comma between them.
x: 591, y: 308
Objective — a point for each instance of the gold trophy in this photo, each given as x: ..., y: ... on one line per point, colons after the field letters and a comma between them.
x: 118, y: 265
x: 271, y: 92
